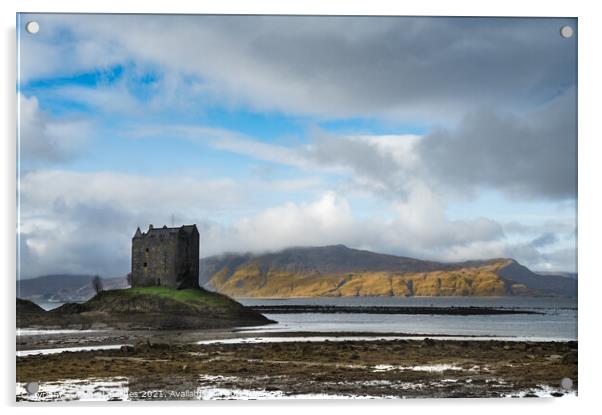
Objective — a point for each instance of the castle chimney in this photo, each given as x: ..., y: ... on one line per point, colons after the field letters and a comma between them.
x: 138, y: 232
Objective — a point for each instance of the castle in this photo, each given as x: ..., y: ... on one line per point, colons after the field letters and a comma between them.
x: 166, y: 257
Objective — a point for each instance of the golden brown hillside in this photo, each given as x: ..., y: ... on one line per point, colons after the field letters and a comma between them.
x: 249, y: 281
x: 341, y: 271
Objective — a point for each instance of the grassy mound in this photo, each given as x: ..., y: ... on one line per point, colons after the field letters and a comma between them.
x: 152, y: 308
x: 161, y: 300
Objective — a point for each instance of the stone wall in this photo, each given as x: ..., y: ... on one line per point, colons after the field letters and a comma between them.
x: 166, y: 257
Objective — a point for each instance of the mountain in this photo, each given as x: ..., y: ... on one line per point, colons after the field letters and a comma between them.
x: 545, y: 284
x: 341, y: 271
x: 64, y: 287
x: 572, y: 275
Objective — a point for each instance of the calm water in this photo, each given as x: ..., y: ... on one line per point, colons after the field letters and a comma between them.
x: 559, y: 321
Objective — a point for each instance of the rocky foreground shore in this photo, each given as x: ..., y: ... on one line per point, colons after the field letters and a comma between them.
x: 379, y: 368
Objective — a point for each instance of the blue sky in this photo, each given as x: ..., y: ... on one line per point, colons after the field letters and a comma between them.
x: 453, y: 140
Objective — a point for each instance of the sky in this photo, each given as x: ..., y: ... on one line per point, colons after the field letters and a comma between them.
x: 437, y: 138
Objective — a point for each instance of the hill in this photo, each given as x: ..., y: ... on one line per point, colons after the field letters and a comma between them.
x: 572, y: 275
x: 26, y: 307
x: 342, y: 271
x: 51, y: 284
x: 63, y: 288
x: 144, y: 308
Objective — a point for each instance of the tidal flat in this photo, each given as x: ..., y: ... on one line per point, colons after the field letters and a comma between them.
x: 382, y: 368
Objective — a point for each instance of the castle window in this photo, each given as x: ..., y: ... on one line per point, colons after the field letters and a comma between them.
x: 146, y: 249
x: 144, y: 265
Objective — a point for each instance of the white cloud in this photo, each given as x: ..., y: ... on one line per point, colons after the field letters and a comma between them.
x: 262, y: 151
x: 383, y: 165
x: 74, y: 222
x: 130, y: 193
x: 195, y: 133
x: 330, y: 219
x: 56, y: 51
x: 420, y: 229
x: 406, y: 68
x: 530, y: 156
x: 83, y: 222
x: 43, y: 138
x: 114, y: 99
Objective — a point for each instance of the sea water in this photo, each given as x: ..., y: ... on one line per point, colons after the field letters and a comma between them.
x: 557, y: 321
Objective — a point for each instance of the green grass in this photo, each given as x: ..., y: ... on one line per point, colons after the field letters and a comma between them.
x: 196, y: 297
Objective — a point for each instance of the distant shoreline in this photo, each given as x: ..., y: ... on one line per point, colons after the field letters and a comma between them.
x: 484, y: 297
x: 329, y: 309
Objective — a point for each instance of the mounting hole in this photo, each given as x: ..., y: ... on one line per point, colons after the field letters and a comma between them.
x: 566, y: 383
x: 32, y: 27
x: 32, y: 388
x: 566, y: 32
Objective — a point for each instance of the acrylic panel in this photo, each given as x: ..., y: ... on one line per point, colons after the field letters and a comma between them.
x: 295, y: 207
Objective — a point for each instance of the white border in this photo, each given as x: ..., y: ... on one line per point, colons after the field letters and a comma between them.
x: 590, y: 206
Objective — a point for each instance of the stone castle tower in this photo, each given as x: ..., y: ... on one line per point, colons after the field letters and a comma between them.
x: 166, y: 257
